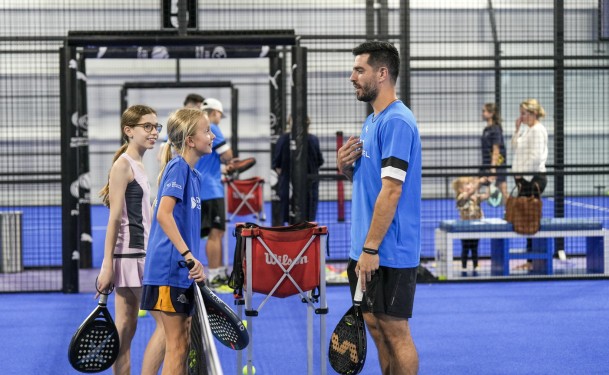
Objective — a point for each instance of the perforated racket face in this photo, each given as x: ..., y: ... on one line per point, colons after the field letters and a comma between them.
x: 347, y: 352
x: 225, y: 325
x: 94, y: 347
x: 225, y: 331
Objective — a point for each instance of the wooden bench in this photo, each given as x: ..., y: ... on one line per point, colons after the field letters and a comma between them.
x: 499, y: 232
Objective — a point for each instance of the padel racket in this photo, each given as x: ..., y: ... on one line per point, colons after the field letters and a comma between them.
x: 202, y: 355
x: 94, y: 346
x: 347, y: 352
x: 495, y: 196
x: 242, y: 165
x: 224, y: 322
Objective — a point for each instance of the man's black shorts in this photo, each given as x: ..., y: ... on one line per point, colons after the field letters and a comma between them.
x: 390, y: 291
x: 213, y: 215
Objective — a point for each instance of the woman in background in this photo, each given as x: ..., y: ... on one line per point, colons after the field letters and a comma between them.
x: 493, y: 149
x: 530, y: 145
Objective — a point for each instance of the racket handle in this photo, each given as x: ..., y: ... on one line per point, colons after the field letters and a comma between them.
x: 190, y: 264
x: 358, y: 296
x: 103, y: 299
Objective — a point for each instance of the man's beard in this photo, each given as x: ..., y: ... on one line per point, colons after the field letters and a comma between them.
x: 369, y: 93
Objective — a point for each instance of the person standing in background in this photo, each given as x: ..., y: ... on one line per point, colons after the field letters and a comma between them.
x: 494, y: 156
x: 213, y: 212
x: 281, y: 164
x: 530, y: 145
x: 193, y: 101
x: 468, y: 203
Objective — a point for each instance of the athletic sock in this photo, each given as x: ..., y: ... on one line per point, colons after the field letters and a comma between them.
x: 213, y: 272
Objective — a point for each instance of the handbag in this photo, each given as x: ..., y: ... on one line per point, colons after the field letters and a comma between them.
x: 524, y: 212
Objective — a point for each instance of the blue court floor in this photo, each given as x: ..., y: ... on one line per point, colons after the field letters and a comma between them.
x: 557, y: 327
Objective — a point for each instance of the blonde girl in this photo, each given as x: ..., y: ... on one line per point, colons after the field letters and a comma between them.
x: 176, y: 223
x: 468, y: 203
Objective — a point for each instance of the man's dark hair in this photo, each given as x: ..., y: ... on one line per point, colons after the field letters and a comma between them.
x: 193, y: 98
x: 381, y: 54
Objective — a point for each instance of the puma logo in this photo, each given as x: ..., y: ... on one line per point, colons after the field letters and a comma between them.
x: 344, y: 347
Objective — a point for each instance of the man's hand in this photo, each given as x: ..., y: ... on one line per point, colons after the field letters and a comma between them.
x: 348, y: 154
x: 366, y: 267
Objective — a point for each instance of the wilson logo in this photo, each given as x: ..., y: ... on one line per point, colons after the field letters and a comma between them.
x: 238, y: 195
x: 345, y: 346
x: 284, y: 259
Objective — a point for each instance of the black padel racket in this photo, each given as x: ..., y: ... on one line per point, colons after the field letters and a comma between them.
x: 94, y: 346
x: 224, y: 322
x: 202, y: 355
x: 347, y: 352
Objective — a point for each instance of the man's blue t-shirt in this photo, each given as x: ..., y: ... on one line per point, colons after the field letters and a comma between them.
x: 391, y: 148
x: 182, y: 183
x: 210, y: 167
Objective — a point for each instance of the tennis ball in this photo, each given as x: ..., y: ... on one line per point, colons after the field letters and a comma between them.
x: 245, y: 370
x: 244, y: 321
x: 142, y: 313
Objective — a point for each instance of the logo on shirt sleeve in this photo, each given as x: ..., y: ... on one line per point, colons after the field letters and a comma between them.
x: 173, y: 185
x: 195, y: 202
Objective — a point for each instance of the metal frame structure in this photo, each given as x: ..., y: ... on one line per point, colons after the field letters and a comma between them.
x: 80, y: 45
x: 234, y: 114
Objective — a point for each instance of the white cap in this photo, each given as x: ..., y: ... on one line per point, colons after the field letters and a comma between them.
x: 211, y: 103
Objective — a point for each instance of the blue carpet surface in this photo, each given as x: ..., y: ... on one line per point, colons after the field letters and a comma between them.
x: 555, y: 327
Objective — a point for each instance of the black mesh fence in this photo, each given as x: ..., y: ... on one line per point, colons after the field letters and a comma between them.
x: 460, y: 55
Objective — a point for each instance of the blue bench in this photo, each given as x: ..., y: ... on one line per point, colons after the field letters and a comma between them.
x: 499, y: 232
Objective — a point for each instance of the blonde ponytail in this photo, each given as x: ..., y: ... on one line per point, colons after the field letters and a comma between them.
x: 165, y: 158
x: 180, y: 125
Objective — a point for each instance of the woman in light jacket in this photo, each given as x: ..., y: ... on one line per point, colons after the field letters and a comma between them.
x: 530, y: 145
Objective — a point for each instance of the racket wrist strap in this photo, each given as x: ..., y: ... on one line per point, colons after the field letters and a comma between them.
x: 368, y: 250
x: 184, y: 253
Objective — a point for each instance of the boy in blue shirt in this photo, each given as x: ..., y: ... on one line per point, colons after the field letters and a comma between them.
x: 213, y: 219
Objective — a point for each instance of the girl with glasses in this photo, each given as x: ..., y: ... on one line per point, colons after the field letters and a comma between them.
x: 127, y: 194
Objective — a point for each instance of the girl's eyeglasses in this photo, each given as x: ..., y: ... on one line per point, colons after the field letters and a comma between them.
x: 148, y: 127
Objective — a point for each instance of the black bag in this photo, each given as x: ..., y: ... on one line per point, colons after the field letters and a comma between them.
x: 237, y: 277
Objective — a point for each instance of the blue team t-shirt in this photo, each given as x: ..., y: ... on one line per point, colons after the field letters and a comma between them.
x: 182, y: 183
x: 391, y: 148
x: 210, y: 168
